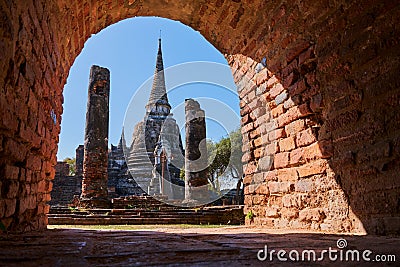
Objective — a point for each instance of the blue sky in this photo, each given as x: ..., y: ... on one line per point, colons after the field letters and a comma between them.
x: 128, y: 49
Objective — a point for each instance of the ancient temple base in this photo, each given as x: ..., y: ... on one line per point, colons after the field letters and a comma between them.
x: 101, y: 203
x: 197, y: 196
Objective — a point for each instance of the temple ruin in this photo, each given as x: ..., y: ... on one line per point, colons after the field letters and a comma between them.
x: 154, y: 158
x: 196, y: 163
x: 95, y: 161
x: 155, y: 141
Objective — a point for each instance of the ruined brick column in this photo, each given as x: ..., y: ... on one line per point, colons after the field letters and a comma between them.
x: 196, y: 170
x: 79, y: 153
x: 94, y: 182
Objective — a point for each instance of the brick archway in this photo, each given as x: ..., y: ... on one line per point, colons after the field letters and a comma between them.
x: 329, y: 77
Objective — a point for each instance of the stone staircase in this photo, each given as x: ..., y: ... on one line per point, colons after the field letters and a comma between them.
x: 146, y: 210
x: 211, y: 215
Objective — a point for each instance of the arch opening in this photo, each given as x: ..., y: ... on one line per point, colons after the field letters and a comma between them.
x: 128, y: 50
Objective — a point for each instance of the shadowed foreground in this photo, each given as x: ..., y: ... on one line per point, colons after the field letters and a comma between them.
x: 231, y: 246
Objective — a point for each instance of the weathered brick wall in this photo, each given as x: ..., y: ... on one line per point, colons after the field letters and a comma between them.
x: 319, y: 120
x: 95, y: 155
x: 288, y: 180
x: 336, y: 145
x: 64, y: 186
x: 61, y: 168
x: 31, y: 106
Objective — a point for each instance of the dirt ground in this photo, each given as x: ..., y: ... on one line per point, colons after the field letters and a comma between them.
x: 194, y: 246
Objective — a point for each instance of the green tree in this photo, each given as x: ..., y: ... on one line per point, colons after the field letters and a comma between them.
x: 236, y: 165
x: 225, y: 156
x: 182, y: 174
x: 72, y: 165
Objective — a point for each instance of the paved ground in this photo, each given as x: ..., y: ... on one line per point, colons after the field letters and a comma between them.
x: 233, y: 246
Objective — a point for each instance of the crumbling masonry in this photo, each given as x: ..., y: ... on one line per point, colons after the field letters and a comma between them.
x: 95, y: 162
x: 196, y: 163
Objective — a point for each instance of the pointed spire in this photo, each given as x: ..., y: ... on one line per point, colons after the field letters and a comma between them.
x: 122, y: 142
x: 158, y: 92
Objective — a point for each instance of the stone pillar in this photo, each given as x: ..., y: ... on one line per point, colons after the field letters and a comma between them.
x: 79, y: 152
x: 94, y: 182
x: 196, y: 170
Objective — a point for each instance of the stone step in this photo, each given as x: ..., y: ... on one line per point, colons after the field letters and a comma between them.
x: 172, y: 215
x: 137, y: 213
x: 136, y: 221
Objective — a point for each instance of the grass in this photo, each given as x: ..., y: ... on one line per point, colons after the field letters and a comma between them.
x: 136, y: 227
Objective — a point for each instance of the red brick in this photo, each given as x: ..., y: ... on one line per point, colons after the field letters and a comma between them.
x: 288, y: 174
x: 312, y: 168
x: 262, y: 76
x: 276, y: 134
x: 271, y: 81
x: 247, y: 156
x: 11, y: 188
x: 304, y: 185
x: 254, y: 134
x: 247, y: 198
x: 259, y: 152
x: 280, y: 187
x: 249, y: 168
x: 289, y: 213
x: 272, y: 212
x: 30, y: 136
x: 15, y: 150
x: 268, y: 127
x: 311, y: 215
x: 247, y: 179
x: 305, y: 137
x: 247, y: 128
x: 316, y: 103
x: 245, y: 110
x: 309, y: 53
x: 42, y: 186
x: 250, y: 189
x: 287, y: 144
x: 263, y: 119
x: 292, y: 114
x: 33, y: 163
x: 295, y: 50
x: 10, y: 207
x: 321, y: 149
x: 247, y: 146
x: 8, y: 121
x: 258, y: 178
x: 276, y: 90
x: 262, y: 189
x: 294, y: 127
x: 296, y: 156
x: 275, y: 112
x: 281, y: 160
x: 258, y: 199
x: 272, y: 148
x: 11, y: 172
x: 245, y: 119
x: 289, y: 80
x: 297, y: 88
